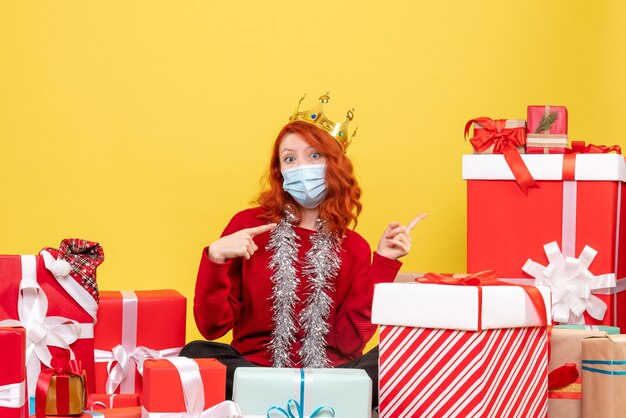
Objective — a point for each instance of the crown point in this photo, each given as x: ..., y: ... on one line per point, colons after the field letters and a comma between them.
x: 325, y: 98
x: 350, y: 114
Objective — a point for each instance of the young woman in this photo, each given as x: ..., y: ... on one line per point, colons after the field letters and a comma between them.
x: 289, y: 277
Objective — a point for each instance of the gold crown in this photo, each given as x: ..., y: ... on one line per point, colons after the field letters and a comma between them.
x: 316, y: 116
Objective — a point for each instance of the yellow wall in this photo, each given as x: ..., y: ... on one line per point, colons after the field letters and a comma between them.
x: 146, y: 124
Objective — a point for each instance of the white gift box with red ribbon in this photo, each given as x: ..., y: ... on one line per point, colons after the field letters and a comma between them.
x: 566, y: 234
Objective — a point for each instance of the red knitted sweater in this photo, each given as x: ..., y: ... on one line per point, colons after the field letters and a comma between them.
x: 236, y: 295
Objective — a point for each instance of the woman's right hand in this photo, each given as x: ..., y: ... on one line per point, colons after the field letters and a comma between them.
x: 239, y: 244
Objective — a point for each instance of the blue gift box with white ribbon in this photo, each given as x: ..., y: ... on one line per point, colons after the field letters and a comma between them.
x: 302, y: 393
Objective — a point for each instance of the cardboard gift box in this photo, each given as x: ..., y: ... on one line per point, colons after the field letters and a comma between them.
x: 134, y: 326
x: 494, y: 137
x: 116, y: 400
x: 40, y: 293
x: 263, y: 391
x: 13, y: 373
x: 462, y: 350
x: 604, y: 376
x: 565, y: 234
x: 185, y: 386
x: 566, y: 348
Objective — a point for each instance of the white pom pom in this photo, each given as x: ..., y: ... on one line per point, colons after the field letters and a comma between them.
x: 60, y: 268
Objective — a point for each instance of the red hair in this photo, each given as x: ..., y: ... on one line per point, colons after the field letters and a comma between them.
x: 341, y: 206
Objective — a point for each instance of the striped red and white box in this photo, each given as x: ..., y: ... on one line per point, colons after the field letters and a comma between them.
x: 447, y: 351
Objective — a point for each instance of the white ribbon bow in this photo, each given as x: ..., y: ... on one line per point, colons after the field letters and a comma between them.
x: 12, y: 396
x: 571, y: 284
x: 193, y: 393
x: 41, y: 330
x: 121, y: 364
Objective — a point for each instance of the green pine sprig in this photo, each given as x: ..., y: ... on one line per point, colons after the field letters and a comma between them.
x: 546, y: 122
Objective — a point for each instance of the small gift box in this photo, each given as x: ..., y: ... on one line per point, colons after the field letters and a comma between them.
x: 134, y: 326
x: 62, y: 389
x: 186, y: 387
x: 545, y: 121
x: 13, y: 373
x: 467, y: 351
x: 284, y: 392
x: 506, y: 137
x: 604, y: 376
x: 547, y: 130
x: 99, y: 401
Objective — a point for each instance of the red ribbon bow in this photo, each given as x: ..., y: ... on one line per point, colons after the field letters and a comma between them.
x: 579, y: 147
x: 61, y: 367
x: 505, y: 141
x: 562, y: 376
x: 487, y: 278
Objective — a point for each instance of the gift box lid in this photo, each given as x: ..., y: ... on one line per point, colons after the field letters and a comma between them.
x: 424, y: 305
x: 546, y: 167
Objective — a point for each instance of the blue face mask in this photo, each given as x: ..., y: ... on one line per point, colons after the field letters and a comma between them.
x: 306, y: 184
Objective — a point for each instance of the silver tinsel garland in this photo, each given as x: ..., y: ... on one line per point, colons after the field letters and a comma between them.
x: 283, y: 242
x: 320, y: 268
x: 321, y: 265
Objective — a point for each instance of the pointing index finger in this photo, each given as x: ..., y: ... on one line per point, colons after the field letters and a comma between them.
x: 260, y: 229
x: 415, y: 221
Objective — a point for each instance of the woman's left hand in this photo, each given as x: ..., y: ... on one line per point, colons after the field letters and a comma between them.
x: 396, y: 240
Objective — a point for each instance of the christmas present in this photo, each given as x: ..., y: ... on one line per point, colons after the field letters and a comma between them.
x: 475, y: 347
x: 127, y: 412
x: 604, y: 376
x: 546, y: 121
x: 54, y: 297
x: 61, y: 390
x: 606, y: 329
x: 273, y: 392
x: 506, y: 137
x: 566, y: 348
x: 13, y: 373
x: 554, y: 144
x: 566, y: 401
x: 565, y: 234
x: 134, y: 326
x: 185, y: 388
x: 99, y: 401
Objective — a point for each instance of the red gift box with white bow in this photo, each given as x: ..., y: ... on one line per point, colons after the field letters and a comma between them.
x: 41, y: 294
x: 134, y: 326
x: 566, y: 234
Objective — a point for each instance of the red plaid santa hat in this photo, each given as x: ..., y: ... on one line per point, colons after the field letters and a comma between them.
x: 78, y: 258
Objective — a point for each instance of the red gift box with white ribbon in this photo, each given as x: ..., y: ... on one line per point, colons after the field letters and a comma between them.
x: 134, y: 326
x: 566, y: 234
x: 13, y: 399
x: 462, y: 350
x: 56, y: 311
x: 182, y: 387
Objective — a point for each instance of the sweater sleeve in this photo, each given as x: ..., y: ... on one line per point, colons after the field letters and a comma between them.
x: 354, y: 317
x: 217, y: 301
